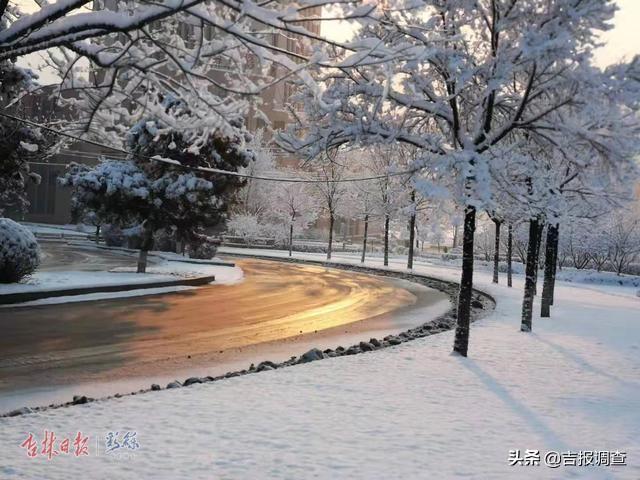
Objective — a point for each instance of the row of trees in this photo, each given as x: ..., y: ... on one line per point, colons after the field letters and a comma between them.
x: 611, y: 243
x: 504, y: 109
x: 382, y: 196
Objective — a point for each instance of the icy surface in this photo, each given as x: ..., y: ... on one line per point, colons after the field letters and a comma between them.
x: 412, y: 411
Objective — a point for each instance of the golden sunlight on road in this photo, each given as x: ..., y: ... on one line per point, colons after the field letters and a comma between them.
x: 116, y: 339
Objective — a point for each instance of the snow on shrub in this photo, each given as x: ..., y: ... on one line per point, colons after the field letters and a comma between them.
x: 113, y: 236
x: 203, y: 248
x: 19, y: 251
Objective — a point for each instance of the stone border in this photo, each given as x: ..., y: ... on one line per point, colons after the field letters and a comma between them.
x: 21, y: 297
x: 481, y: 303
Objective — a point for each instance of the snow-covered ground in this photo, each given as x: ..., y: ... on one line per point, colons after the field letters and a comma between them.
x: 81, y: 231
x: 45, y: 281
x: 225, y: 275
x: 89, y: 297
x: 411, y: 411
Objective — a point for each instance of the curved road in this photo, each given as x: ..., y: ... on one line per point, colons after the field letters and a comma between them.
x: 101, y: 347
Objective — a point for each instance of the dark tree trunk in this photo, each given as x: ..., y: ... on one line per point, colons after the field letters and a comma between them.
x: 549, y: 265
x: 555, y: 264
x: 537, y: 256
x: 145, y: 246
x: 412, y: 232
x: 496, y: 251
x: 97, y: 233
x: 290, y: 238
x: 364, y: 238
x: 455, y: 237
x: 529, y: 282
x: 461, y: 342
x: 331, y: 220
x: 386, y: 240
x: 510, y: 256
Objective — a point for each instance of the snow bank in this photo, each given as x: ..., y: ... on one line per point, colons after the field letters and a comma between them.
x: 411, y: 411
x: 61, y: 230
x: 225, y: 275
x: 100, y: 296
x: 45, y: 281
x: 164, y: 270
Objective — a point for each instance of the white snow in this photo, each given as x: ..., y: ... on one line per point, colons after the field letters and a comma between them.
x: 225, y: 275
x: 100, y: 296
x: 412, y: 411
x: 168, y: 268
x: 44, y: 281
x: 62, y: 230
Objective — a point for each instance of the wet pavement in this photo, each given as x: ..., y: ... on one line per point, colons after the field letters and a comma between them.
x: 49, y: 353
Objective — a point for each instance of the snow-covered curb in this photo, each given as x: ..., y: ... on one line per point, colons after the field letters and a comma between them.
x: 168, y: 272
x: 172, y: 257
x: 60, y: 232
x: 54, y: 281
x: 27, y: 297
x: 481, y: 305
x: 91, y: 297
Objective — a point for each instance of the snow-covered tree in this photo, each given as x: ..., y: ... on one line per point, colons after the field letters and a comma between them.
x: 456, y: 80
x: 255, y: 197
x: 218, y: 56
x: 624, y: 241
x: 150, y: 192
x: 388, y: 188
x: 295, y: 208
x: 329, y: 173
x: 250, y: 227
x: 19, y: 143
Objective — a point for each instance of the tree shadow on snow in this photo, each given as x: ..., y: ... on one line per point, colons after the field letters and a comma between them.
x: 581, y: 362
x: 552, y: 440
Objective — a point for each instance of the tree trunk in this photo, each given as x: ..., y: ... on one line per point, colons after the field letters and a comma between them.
x: 555, y: 264
x: 537, y: 256
x: 529, y: 283
x: 412, y: 232
x: 461, y: 342
x: 97, y: 233
x: 549, y: 265
x: 331, y: 220
x: 496, y: 251
x: 145, y: 246
x: 290, y: 238
x: 455, y: 237
x: 510, y: 257
x: 386, y: 240
x: 364, y: 238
